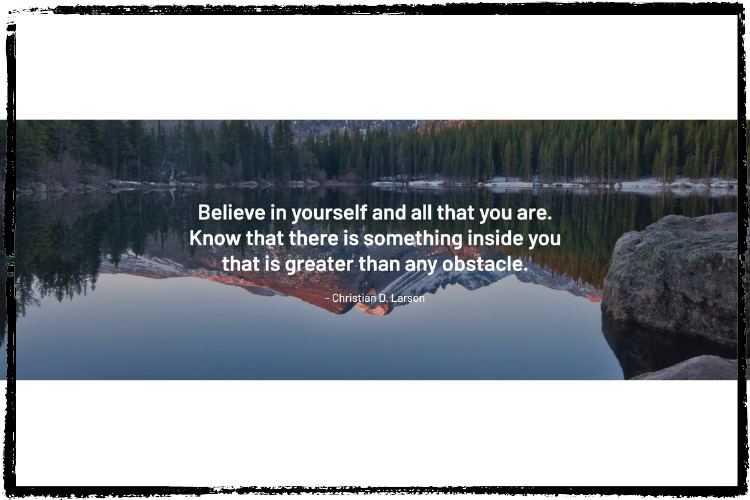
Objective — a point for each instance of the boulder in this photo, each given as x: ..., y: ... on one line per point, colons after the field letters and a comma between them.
x: 678, y: 275
x: 641, y: 350
x: 699, y: 368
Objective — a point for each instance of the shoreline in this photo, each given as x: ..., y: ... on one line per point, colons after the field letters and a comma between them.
x: 640, y: 187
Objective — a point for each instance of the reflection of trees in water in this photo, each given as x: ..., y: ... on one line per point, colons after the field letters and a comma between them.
x: 58, y: 248
x: 590, y: 225
x: 60, y: 242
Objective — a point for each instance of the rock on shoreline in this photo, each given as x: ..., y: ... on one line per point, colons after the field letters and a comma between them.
x: 640, y: 350
x: 698, y: 368
x: 678, y: 275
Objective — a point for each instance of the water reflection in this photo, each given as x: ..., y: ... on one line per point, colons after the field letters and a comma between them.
x: 66, y: 244
x: 641, y: 350
x: 379, y: 292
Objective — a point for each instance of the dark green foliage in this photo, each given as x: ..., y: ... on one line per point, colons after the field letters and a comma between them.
x: 601, y: 151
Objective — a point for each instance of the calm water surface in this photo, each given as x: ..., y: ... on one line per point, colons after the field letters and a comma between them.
x: 108, y: 287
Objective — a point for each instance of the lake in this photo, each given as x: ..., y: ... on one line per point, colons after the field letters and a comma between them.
x: 109, y: 287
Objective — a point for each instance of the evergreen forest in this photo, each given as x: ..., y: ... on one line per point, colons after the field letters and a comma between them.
x: 72, y: 152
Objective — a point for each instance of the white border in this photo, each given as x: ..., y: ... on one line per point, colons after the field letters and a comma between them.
x: 376, y: 433
x: 377, y: 67
x: 361, y: 433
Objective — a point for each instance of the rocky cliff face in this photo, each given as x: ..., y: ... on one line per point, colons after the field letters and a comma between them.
x: 678, y: 275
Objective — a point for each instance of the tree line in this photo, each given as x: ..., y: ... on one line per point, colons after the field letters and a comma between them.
x: 469, y: 151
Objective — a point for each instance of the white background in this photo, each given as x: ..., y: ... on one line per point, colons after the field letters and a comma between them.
x: 376, y: 433
x: 370, y: 67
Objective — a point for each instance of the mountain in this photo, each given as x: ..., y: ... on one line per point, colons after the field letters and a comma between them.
x: 170, y: 260
x: 302, y: 128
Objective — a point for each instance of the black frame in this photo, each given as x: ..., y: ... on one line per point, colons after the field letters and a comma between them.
x: 611, y: 8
